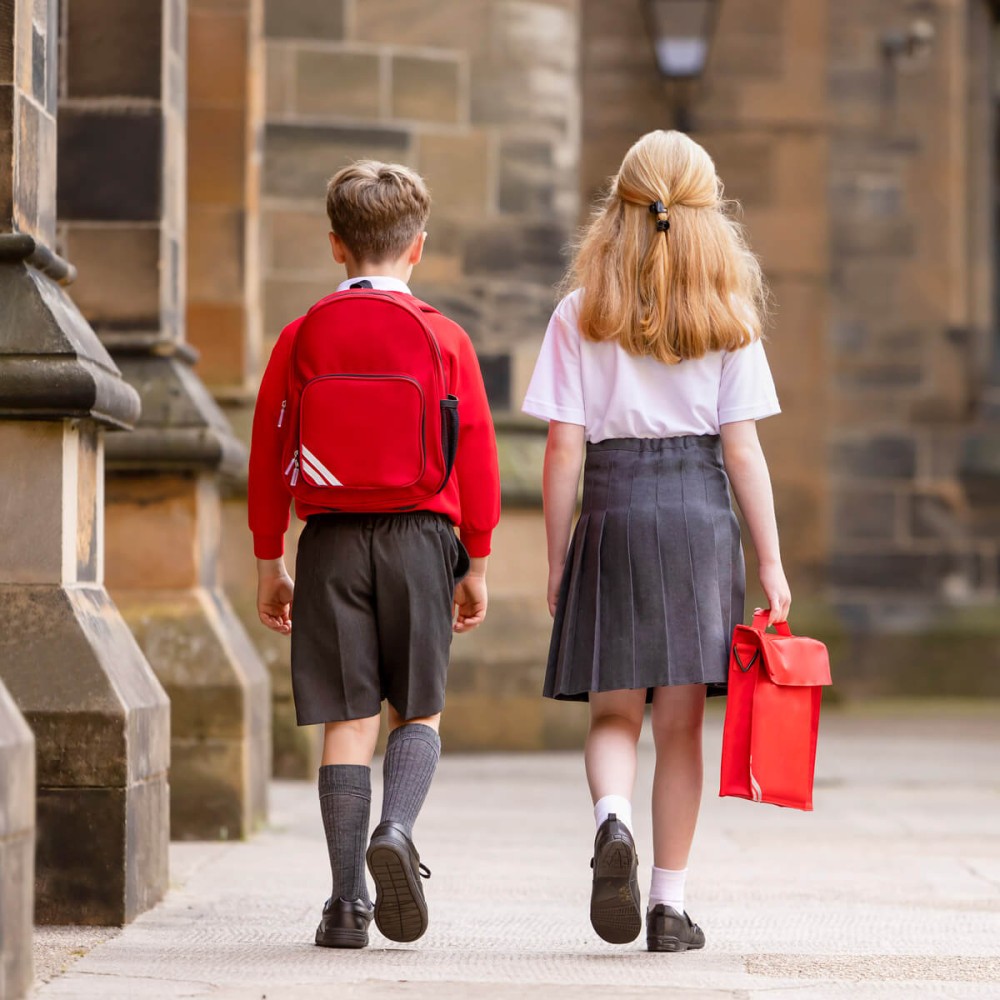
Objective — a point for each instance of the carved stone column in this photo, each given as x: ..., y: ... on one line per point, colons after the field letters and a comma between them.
x: 122, y: 217
x: 17, y: 848
x: 100, y: 717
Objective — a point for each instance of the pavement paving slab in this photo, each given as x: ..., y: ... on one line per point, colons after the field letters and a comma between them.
x: 890, y: 890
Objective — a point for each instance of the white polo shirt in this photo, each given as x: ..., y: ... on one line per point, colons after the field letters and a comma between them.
x: 614, y: 395
x: 380, y: 282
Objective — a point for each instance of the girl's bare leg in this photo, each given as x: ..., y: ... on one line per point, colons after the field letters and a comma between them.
x: 610, y: 756
x: 678, y: 713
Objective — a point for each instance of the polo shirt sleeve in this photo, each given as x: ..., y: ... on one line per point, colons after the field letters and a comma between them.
x: 556, y: 388
x: 746, y: 390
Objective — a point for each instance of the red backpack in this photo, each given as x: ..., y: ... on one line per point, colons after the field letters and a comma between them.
x: 370, y: 423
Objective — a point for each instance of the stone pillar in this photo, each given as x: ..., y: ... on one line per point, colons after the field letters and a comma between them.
x: 122, y: 220
x: 99, y: 715
x: 17, y: 744
x: 224, y: 121
x: 17, y: 848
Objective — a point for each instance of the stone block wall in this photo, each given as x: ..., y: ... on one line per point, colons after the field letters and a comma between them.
x: 223, y: 132
x: 28, y: 99
x: 480, y: 97
x: 866, y: 181
x: 911, y: 324
x: 121, y: 137
x: 877, y: 239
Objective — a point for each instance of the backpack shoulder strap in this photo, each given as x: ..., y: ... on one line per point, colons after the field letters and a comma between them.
x: 424, y: 307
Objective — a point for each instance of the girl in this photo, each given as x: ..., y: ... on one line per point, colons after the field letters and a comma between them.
x: 654, y: 359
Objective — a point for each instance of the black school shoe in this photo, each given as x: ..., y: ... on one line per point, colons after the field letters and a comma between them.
x: 344, y: 924
x: 614, y: 899
x: 400, y: 907
x: 668, y: 930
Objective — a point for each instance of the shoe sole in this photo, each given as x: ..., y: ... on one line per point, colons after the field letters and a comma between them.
x: 342, y: 938
x: 400, y: 910
x: 671, y: 944
x: 614, y: 909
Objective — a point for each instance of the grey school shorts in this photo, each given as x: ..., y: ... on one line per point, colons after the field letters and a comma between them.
x: 372, y: 614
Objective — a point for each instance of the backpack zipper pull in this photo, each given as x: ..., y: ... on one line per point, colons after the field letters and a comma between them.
x: 293, y: 467
x: 281, y: 416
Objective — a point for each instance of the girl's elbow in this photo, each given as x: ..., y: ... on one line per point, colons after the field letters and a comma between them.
x: 743, y: 455
x: 564, y: 451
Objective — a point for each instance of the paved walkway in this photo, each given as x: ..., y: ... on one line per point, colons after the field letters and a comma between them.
x: 891, y: 889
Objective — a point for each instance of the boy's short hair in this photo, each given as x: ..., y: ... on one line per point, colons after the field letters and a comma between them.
x: 377, y: 208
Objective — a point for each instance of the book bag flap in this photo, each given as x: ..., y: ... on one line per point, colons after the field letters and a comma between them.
x: 796, y: 660
x: 790, y: 660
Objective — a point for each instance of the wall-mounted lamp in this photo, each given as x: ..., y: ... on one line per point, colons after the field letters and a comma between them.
x: 910, y: 47
x: 681, y: 33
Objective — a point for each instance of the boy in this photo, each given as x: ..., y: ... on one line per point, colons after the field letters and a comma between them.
x: 379, y: 594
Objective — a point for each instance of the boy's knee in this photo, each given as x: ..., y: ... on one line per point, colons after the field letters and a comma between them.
x: 361, y: 728
x: 396, y: 720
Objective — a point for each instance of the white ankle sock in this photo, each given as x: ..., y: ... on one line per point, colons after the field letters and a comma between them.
x: 667, y: 887
x: 617, y: 804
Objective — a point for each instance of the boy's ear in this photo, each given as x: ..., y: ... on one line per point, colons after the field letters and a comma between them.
x: 417, y: 249
x: 338, y: 248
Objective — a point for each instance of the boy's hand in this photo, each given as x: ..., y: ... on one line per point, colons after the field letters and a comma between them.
x: 470, y: 602
x: 274, y: 595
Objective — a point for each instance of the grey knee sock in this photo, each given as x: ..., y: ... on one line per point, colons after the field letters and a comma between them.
x: 411, y: 758
x: 345, y: 798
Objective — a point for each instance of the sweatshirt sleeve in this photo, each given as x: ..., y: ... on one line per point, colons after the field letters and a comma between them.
x: 268, y: 499
x: 476, y: 465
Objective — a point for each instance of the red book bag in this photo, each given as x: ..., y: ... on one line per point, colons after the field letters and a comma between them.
x: 370, y: 425
x: 776, y: 685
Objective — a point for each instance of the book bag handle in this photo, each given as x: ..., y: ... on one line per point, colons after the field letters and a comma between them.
x: 760, y: 622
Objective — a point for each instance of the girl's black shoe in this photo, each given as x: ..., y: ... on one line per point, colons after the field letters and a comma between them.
x: 344, y: 924
x: 614, y: 899
x: 668, y: 930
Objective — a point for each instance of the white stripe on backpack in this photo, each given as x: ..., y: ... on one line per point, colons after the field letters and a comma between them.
x: 317, y: 469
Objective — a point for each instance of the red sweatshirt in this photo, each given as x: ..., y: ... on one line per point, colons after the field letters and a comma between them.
x: 471, y: 498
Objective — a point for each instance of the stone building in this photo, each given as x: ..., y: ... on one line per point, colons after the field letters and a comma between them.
x: 858, y: 138
x: 171, y: 157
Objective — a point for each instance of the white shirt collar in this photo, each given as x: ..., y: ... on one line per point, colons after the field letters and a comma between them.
x: 382, y: 282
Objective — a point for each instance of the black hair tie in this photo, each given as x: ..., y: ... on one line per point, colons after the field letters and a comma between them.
x: 658, y: 208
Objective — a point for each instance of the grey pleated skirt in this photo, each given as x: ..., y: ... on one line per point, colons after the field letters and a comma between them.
x: 654, y: 581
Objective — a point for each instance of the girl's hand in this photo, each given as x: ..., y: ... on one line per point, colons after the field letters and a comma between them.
x: 775, y: 587
x: 274, y: 595
x: 555, y: 582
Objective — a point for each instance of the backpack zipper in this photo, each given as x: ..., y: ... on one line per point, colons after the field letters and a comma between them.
x: 281, y: 416
x: 293, y: 467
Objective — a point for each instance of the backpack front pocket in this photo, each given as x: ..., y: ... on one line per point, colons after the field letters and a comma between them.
x: 362, y: 431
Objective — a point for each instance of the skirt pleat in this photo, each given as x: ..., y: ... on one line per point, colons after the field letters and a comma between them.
x: 654, y: 578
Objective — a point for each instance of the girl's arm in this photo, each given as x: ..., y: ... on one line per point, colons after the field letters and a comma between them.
x: 560, y: 484
x: 747, y: 469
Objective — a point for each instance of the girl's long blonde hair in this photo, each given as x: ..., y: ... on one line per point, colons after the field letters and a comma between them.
x: 669, y: 293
